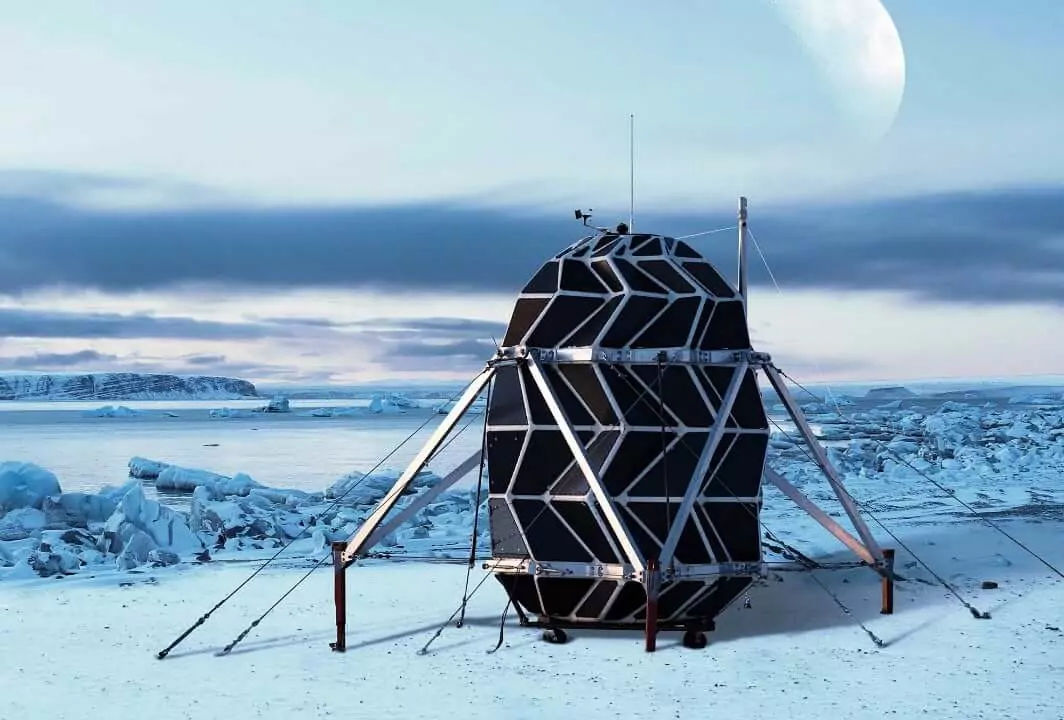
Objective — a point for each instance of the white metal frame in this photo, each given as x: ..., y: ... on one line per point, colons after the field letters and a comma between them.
x: 614, y: 571
x: 359, y: 541
x: 374, y: 529
x: 417, y: 504
x: 605, y: 502
x: 814, y: 510
x: 694, y: 487
x: 821, y: 457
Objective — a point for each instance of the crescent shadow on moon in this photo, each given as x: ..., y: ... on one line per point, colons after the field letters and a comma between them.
x: 857, y: 48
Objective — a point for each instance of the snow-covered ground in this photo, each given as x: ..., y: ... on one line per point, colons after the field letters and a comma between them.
x: 123, y: 580
x: 84, y: 647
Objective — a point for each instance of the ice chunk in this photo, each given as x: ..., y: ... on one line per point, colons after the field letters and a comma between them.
x: 135, y: 514
x: 162, y: 558
x: 382, y: 405
x: 79, y: 509
x: 62, y: 552
x: 135, y: 551
x: 146, y: 469
x: 334, y: 412
x: 21, y: 523
x: 359, y: 488
x: 25, y: 485
x: 401, y: 400
x: 109, y: 411
x: 231, y: 413
x: 277, y: 404
x: 179, y: 479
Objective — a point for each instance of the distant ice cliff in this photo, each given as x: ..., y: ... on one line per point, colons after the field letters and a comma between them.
x: 123, y: 386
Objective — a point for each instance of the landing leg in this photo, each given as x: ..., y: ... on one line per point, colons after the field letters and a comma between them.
x: 652, y: 585
x: 339, y: 597
x: 888, y: 582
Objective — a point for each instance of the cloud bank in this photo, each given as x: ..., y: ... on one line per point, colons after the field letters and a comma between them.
x: 1001, y: 246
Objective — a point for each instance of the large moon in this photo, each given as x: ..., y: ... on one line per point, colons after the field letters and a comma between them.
x: 856, y: 46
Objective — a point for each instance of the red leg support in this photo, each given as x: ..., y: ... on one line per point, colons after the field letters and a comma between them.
x: 652, y: 585
x: 888, y: 582
x: 339, y: 597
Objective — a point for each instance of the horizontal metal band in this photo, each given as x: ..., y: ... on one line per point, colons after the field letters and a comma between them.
x: 640, y: 356
x: 526, y: 566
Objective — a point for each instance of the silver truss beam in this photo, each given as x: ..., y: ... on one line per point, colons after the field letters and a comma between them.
x: 814, y: 510
x: 603, y: 498
x: 822, y: 460
x: 614, y: 571
x: 417, y: 504
x: 358, y: 541
x: 639, y: 356
x: 694, y: 487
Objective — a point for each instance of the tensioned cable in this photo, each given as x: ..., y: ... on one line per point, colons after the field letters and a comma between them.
x: 321, y: 560
x: 779, y: 293
x: 946, y: 491
x: 166, y: 651
x: 875, y: 639
x: 707, y: 232
x: 466, y: 598
x: 476, y: 509
x: 978, y: 615
x: 893, y: 453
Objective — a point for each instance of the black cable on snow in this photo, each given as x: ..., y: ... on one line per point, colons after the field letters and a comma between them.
x: 166, y: 651
x: 502, y: 625
x: 977, y: 614
x: 476, y: 509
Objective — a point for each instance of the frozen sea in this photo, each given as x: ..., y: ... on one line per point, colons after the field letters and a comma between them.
x: 281, y: 450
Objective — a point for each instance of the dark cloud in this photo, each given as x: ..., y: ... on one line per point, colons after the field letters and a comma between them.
x: 212, y: 365
x: 204, y: 359
x: 458, y: 348
x: 43, y: 361
x: 993, y: 246
x: 29, y: 323
x: 438, y: 326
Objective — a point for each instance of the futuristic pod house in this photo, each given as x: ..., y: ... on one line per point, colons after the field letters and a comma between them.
x: 625, y: 444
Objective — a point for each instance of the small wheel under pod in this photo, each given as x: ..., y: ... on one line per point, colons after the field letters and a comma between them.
x: 695, y: 639
x: 555, y: 636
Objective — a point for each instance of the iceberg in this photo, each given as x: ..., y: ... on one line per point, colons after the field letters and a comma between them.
x: 25, y: 485
x: 109, y: 411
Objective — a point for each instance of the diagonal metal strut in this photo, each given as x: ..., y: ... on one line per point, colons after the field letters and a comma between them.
x: 822, y: 460
x: 593, y: 481
x: 359, y: 540
x: 720, y: 424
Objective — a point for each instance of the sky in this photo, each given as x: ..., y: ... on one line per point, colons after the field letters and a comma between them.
x: 346, y: 192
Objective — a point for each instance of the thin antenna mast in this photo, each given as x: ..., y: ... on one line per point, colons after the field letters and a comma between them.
x: 631, y: 173
x: 742, y: 251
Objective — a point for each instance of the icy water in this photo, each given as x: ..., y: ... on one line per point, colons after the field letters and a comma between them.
x: 281, y: 450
